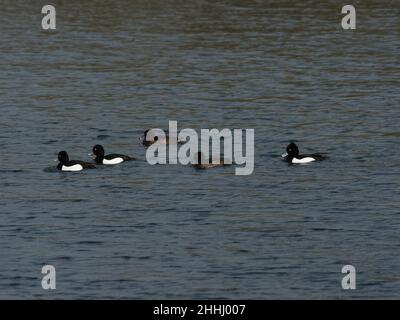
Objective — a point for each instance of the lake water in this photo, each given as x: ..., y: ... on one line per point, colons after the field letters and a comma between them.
x: 285, y: 68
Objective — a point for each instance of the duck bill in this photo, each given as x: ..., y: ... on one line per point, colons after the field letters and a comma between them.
x: 284, y: 155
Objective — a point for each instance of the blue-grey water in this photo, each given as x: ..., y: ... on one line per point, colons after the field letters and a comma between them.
x: 115, y: 68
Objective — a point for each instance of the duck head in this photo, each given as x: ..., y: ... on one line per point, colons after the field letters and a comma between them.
x: 63, y: 157
x: 98, y: 151
x: 292, y: 151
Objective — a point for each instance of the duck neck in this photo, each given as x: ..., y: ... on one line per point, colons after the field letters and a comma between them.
x: 290, y: 157
x: 99, y: 159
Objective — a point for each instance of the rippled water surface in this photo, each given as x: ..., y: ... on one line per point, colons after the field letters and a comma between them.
x: 115, y: 68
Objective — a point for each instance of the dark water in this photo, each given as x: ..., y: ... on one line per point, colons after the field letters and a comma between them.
x: 285, y: 68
